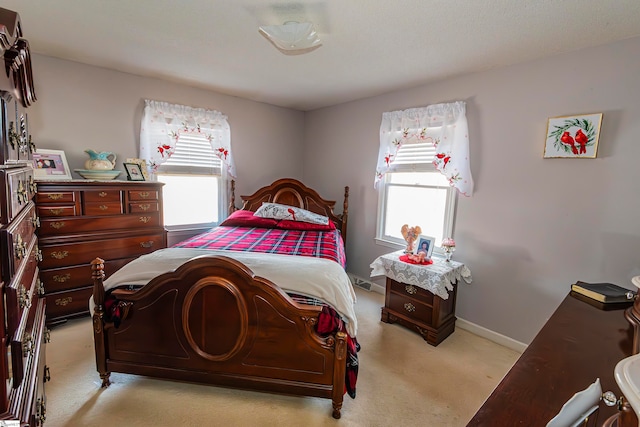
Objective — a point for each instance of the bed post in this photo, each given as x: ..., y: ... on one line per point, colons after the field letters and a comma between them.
x: 232, y: 199
x: 97, y: 274
x: 339, y: 372
x: 345, y: 214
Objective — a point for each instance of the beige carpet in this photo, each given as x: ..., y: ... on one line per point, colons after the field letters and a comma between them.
x: 403, y: 381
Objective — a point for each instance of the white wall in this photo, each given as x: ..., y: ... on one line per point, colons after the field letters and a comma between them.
x: 533, y: 225
x: 81, y: 106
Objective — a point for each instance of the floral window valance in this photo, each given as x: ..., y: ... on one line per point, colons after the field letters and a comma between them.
x: 163, y: 125
x: 444, y: 125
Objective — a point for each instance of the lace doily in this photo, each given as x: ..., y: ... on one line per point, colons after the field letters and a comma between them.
x: 436, y: 278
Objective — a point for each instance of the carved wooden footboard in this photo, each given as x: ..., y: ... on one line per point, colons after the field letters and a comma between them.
x: 212, y: 321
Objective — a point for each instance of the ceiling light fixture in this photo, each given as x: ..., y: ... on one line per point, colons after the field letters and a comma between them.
x: 292, y: 36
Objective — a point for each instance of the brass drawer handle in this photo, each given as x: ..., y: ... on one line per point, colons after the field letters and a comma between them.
x: 409, y: 307
x: 47, y: 337
x: 63, y: 301
x: 60, y: 255
x: 145, y: 219
x: 411, y: 290
x: 61, y: 278
x: 20, y: 249
x: 24, y: 300
x: 58, y: 225
x: 40, y: 286
x: 47, y: 371
x: 144, y: 207
x: 55, y: 196
x: 146, y: 244
x: 144, y: 194
x: 103, y: 194
x: 41, y: 407
x: 35, y: 221
x: 37, y: 254
x: 56, y: 211
x: 27, y: 344
x: 103, y: 207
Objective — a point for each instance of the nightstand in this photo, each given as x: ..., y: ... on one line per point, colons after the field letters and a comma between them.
x: 421, y: 297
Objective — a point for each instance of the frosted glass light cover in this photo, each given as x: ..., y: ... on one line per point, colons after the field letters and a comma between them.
x: 292, y: 35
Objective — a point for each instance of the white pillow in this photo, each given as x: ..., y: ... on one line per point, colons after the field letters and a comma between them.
x: 278, y: 211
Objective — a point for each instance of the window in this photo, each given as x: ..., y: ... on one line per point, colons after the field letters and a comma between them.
x: 192, y: 183
x: 423, y: 163
x: 415, y: 194
x: 189, y: 150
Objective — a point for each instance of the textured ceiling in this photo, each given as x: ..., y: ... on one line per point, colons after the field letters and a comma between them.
x: 369, y: 47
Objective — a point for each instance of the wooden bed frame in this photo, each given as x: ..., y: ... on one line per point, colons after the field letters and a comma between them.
x: 212, y: 321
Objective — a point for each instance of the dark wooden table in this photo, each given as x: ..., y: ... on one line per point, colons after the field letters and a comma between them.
x: 578, y: 344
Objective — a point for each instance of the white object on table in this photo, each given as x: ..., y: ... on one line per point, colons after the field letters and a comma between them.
x: 580, y: 406
x: 436, y: 278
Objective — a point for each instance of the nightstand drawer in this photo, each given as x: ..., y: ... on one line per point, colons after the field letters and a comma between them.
x: 420, y: 294
x: 410, y: 307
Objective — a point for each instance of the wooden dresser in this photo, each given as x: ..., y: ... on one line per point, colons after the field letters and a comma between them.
x: 22, y: 306
x: 578, y: 344
x: 80, y: 220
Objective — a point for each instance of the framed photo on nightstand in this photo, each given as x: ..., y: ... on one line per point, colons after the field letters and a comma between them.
x: 424, y: 244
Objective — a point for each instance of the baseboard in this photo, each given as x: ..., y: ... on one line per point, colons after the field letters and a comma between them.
x: 460, y: 323
x: 491, y: 335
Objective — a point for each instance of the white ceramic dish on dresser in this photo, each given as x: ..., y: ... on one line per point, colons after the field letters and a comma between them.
x: 97, y: 174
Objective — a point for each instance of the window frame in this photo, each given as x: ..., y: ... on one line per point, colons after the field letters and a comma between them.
x: 383, y: 188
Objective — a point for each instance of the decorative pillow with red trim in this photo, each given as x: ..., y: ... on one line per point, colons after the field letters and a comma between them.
x: 278, y: 211
x: 244, y: 218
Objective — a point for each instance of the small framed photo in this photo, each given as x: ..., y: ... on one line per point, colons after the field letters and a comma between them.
x: 50, y: 164
x: 134, y: 172
x: 573, y: 136
x: 143, y: 166
x: 424, y: 244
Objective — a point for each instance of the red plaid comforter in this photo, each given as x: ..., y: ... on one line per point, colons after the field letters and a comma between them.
x: 320, y: 244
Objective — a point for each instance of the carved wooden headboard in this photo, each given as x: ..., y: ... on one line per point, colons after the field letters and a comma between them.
x: 291, y: 192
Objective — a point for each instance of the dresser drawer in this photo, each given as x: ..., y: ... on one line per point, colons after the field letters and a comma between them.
x: 26, y: 342
x: 22, y: 292
x: 136, y: 195
x: 17, y: 239
x: 70, y: 303
x: 103, y: 208
x: 67, y: 278
x: 57, y: 210
x: 84, y: 225
x: 144, y: 207
x: 99, y: 196
x: 17, y: 188
x: 68, y: 254
x: 46, y: 197
x: 411, y: 308
x: 420, y: 294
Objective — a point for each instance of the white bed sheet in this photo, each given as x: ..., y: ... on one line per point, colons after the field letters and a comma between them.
x: 320, y: 278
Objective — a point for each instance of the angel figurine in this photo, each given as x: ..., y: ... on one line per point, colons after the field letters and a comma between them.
x: 410, y: 235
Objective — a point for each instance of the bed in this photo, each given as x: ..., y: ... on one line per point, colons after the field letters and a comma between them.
x: 205, y: 315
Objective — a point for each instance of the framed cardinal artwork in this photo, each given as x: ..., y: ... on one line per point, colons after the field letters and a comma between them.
x: 573, y: 136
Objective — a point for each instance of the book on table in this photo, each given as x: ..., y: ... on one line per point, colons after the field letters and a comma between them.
x: 604, y: 292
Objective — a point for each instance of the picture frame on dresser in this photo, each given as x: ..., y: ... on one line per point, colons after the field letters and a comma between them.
x: 50, y: 165
x: 424, y: 244
x: 134, y: 172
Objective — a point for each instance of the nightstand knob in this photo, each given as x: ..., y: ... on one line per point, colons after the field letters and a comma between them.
x: 409, y: 307
x: 411, y: 289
